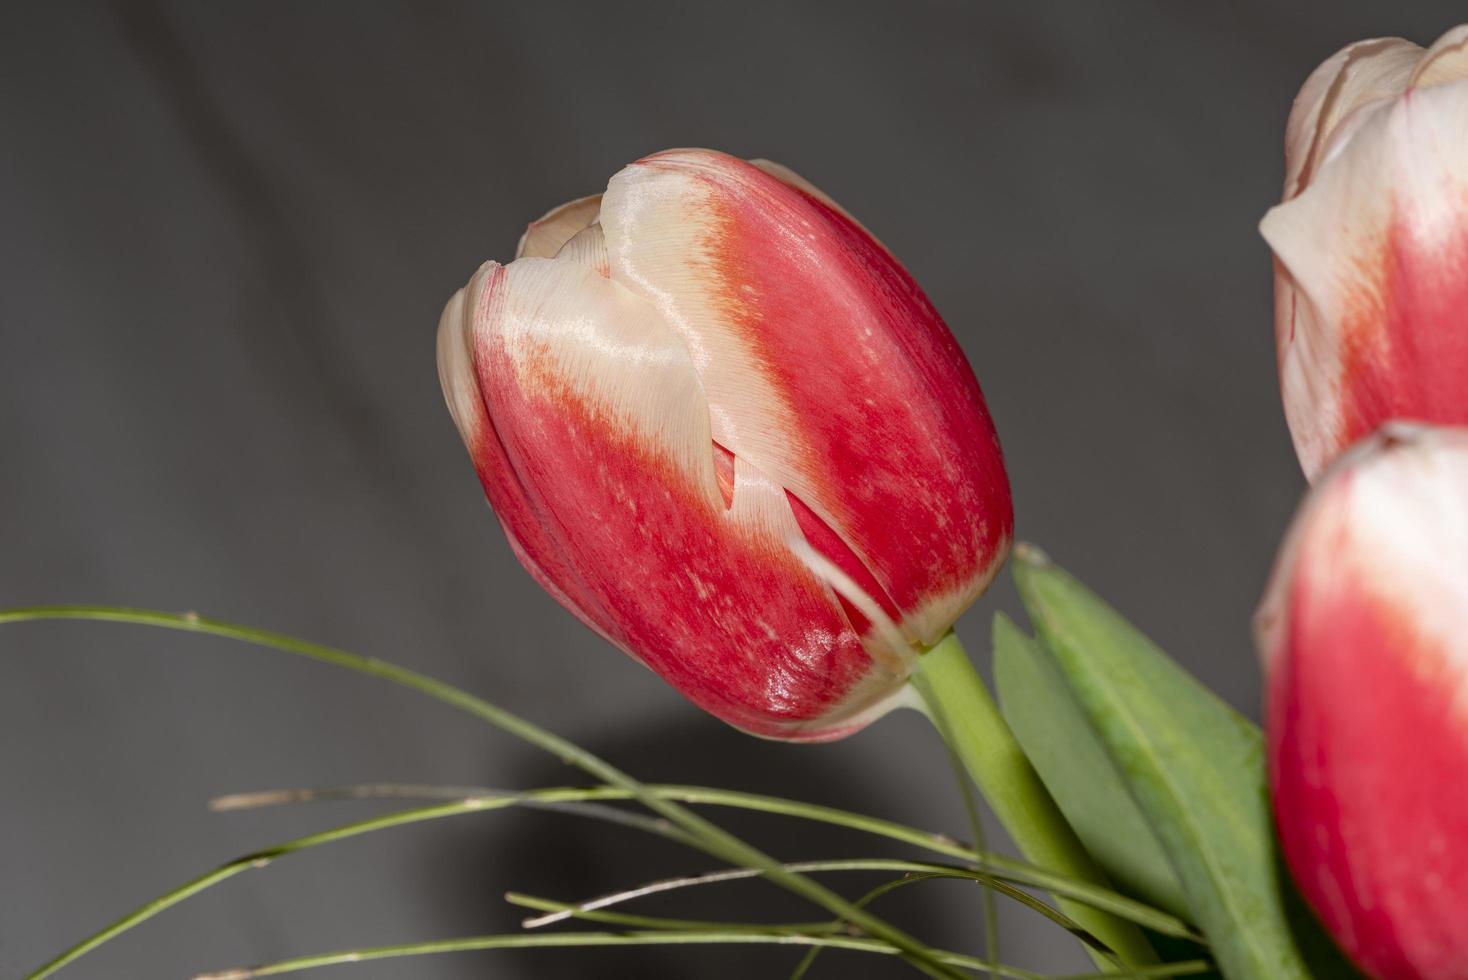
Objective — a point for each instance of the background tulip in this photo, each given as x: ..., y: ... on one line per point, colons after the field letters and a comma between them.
x: 681, y: 386
x: 1371, y: 282
x: 1364, y: 633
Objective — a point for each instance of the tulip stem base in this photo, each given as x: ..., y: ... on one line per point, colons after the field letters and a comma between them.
x: 956, y: 700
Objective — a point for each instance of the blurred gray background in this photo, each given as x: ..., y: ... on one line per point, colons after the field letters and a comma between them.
x: 226, y: 232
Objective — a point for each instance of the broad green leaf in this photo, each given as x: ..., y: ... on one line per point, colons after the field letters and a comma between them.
x: 1194, y: 766
x: 1074, y: 765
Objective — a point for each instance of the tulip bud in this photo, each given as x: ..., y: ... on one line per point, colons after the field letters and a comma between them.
x: 1364, y: 635
x: 721, y: 424
x: 1371, y: 242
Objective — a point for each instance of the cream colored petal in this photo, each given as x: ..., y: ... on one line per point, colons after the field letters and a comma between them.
x: 1309, y: 375
x: 1445, y: 61
x: 1359, y: 73
x: 1373, y: 248
x: 456, y: 368
x: 1408, y: 160
x: 545, y: 235
x: 563, y: 327
x: 587, y: 247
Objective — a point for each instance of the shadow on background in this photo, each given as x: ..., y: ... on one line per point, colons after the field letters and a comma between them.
x: 569, y: 858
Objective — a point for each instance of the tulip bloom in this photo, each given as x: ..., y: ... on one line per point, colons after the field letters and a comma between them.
x: 1371, y: 241
x: 1364, y: 633
x: 721, y: 424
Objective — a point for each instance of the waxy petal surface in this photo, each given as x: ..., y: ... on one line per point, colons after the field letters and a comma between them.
x: 533, y: 544
x: 1374, y: 259
x: 546, y: 234
x: 824, y: 366
x: 1359, y: 73
x: 604, y: 433
x: 1365, y: 635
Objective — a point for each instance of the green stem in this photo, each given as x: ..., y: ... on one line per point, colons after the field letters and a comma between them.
x: 914, y: 869
x: 579, y: 798
x: 976, y: 828
x: 680, y: 938
x: 651, y: 923
x: 705, y: 835
x: 809, y: 959
x: 985, y: 867
x: 963, y: 711
x: 570, y: 939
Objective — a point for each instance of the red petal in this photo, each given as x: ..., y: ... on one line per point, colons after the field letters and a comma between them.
x: 603, y: 426
x: 825, y: 366
x: 1364, y: 634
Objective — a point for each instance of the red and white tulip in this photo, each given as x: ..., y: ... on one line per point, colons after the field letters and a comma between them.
x: 722, y: 425
x: 1371, y: 242
x: 1364, y: 635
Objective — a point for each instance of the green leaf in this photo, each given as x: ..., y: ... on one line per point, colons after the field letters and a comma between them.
x: 1074, y: 765
x: 1194, y: 766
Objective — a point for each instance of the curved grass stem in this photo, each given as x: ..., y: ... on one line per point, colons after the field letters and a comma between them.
x: 809, y: 959
x: 990, y: 864
x: 573, y: 939
x: 704, y: 834
x: 661, y: 923
x: 680, y: 938
x: 915, y: 868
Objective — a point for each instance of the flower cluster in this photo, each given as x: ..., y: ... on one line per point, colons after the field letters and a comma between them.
x: 1364, y: 628
x: 720, y: 423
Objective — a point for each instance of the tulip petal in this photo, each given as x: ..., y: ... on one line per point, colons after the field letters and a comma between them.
x: 1365, y: 633
x: 1445, y: 61
x: 1357, y: 74
x: 587, y: 247
x: 792, y: 179
x: 824, y: 366
x: 603, y: 421
x: 1375, y: 251
x: 546, y: 234
x: 529, y: 539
